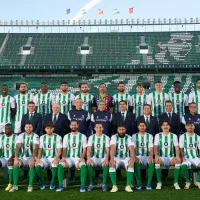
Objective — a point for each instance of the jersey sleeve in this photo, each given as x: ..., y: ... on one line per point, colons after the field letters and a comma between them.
x: 130, y: 101
x: 156, y: 141
x: 0, y: 142
x: 35, y: 100
x: 113, y: 140
x: 41, y: 142
x: 198, y: 142
x: 186, y: 100
x: 149, y: 99
x: 166, y: 97
x: 58, y: 142
x: 107, y: 142
x: 65, y: 141
x: 134, y: 138
x: 84, y: 140
x: 89, y: 144
x: 181, y: 141
x: 12, y: 102
x: 191, y: 97
x: 150, y: 141
x: 72, y: 98
x: 175, y: 140
x: 19, y: 139
x: 36, y: 139
x: 130, y: 141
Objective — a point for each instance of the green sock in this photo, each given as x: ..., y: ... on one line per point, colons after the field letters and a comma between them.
x: 184, y: 170
x: 176, y: 173
x: 15, y: 175
x: 54, y: 173
x: 158, y: 173
x: 83, y: 174
x: 90, y: 174
x: 60, y: 174
x: 130, y: 174
x: 198, y: 177
x: 38, y: 170
x: 105, y: 173
x: 10, y: 174
x: 112, y: 172
x: 31, y: 175
x: 150, y: 172
x: 137, y: 172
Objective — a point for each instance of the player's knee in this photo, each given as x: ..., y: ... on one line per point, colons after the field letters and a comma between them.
x: 62, y: 164
x: 82, y: 164
x: 112, y: 169
x: 130, y: 169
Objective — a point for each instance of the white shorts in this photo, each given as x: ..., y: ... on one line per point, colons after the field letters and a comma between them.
x: 192, y: 162
x: 17, y: 127
x: 47, y: 162
x: 25, y: 161
x: 166, y: 161
x: 2, y: 127
x: 4, y: 162
x: 122, y: 162
x: 97, y: 161
x: 143, y: 160
x: 72, y: 162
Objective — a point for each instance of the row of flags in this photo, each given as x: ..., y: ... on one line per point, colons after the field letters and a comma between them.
x: 100, y: 12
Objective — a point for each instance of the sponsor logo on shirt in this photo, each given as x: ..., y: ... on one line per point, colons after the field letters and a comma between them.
x: 166, y: 144
x: 73, y: 144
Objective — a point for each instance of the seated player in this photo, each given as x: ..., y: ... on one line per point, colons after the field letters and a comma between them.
x: 49, y: 153
x: 144, y: 155
x: 7, y: 148
x: 164, y: 153
x: 26, y: 150
x: 98, y: 154
x: 189, y: 143
x: 121, y: 155
x: 74, y: 152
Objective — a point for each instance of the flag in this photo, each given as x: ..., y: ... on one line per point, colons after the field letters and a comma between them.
x: 100, y: 11
x: 83, y: 11
x: 116, y: 11
x: 68, y: 11
x: 131, y: 10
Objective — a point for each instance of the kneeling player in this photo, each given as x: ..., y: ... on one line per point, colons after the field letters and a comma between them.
x: 74, y: 152
x: 48, y: 154
x: 144, y: 154
x: 190, y: 144
x: 164, y: 153
x: 7, y: 147
x: 25, y: 154
x: 121, y: 155
x: 98, y: 155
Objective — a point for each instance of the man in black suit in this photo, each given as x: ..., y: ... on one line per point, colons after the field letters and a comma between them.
x: 173, y: 118
x: 33, y: 117
x: 60, y: 121
x: 151, y: 122
x: 125, y: 118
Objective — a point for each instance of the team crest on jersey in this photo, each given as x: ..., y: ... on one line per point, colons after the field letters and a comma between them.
x: 43, y: 102
x: 98, y: 146
x: 63, y: 102
x: 159, y: 101
x: 121, y: 146
x: 139, y: 103
x: 177, y: 101
x: 27, y: 145
x: 23, y: 102
x: 142, y: 144
x: 7, y: 146
x: 3, y: 104
x: 166, y: 143
x: 74, y: 145
x: 49, y: 146
x: 190, y: 145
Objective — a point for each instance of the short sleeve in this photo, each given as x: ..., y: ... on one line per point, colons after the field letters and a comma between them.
x: 36, y: 139
x: 90, y: 141
x: 150, y: 141
x: 198, y: 142
x: 58, y: 142
x: 149, y: 99
x: 41, y: 142
x: 113, y: 140
x: 156, y: 141
x: 107, y: 142
x: 65, y: 141
x: 191, y: 97
x: 181, y: 141
x: 35, y: 99
x: 12, y: 102
x: 19, y: 138
x: 84, y: 140
x: 130, y: 141
x: 175, y: 140
x: 186, y: 100
x: 166, y: 97
x: 134, y: 138
x: 130, y: 101
x: 0, y: 141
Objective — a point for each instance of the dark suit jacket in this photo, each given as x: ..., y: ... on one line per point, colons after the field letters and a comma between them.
x: 153, y: 127
x: 62, y: 124
x: 36, y: 122
x: 129, y: 122
x: 175, y: 122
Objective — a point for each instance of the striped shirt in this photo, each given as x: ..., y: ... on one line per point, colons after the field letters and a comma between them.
x: 138, y: 102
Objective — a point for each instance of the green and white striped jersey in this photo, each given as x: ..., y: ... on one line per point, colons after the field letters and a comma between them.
x: 50, y: 144
x: 99, y: 145
x: 6, y: 103
x: 43, y: 103
x: 143, y: 143
x: 138, y: 102
x: 118, y: 97
x: 179, y: 101
x: 190, y: 144
x: 27, y: 142
x: 74, y: 143
x: 87, y: 101
x: 194, y: 96
x: 65, y: 101
x: 157, y: 101
x: 122, y: 145
x: 166, y: 144
x: 22, y: 104
x: 7, y: 145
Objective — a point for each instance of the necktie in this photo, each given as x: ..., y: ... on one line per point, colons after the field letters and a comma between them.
x: 170, y: 117
x: 31, y: 117
x: 123, y: 117
x: 147, y: 121
x: 54, y: 119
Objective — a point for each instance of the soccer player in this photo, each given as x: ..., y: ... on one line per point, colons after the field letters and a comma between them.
x: 179, y: 100
x: 65, y: 99
x: 86, y: 97
x: 190, y: 144
x: 121, y: 155
x: 164, y: 145
x: 7, y: 107
x: 74, y: 152
x: 144, y: 154
x: 98, y: 155
x: 157, y: 99
x: 26, y: 150
x: 139, y: 100
x: 122, y: 95
x: 21, y: 101
x: 43, y: 100
x: 7, y: 148
x: 49, y: 152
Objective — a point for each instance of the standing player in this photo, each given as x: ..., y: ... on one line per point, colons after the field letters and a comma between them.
x: 144, y: 154
x: 26, y: 150
x: 43, y: 100
x: 7, y: 108
x: 139, y: 100
x: 74, y: 152
x: 164, y: 145
x: 48, y: 154
x: 121, y: 154
x: 21, y: 101
x: 190, y: 144
x: 7, y: 148
x: 98, y: 155
x: 65, y: 99
x: 122, y: 95
x: 157, y: 99
x: 179, y: 100
x: 86, y: 97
